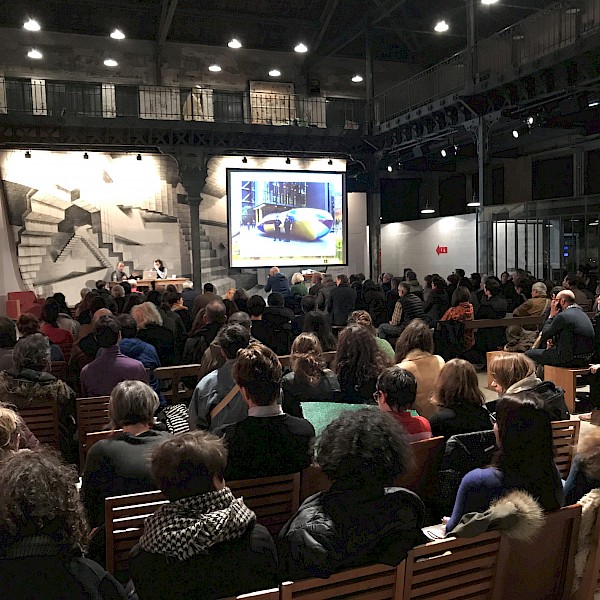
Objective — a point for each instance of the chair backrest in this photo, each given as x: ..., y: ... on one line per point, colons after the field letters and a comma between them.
x: 273, y: 499
x: 272, y: 594
x: 542, y: 569
x: 124, y: 522
x: 91, y: 438
x: 376, y: 582
x: 58, y: 368
x: 42, y: 420
x: 422, y: 478
x: 92, y: 416
x: 590, y: 578
x: 178, y: 392
x: 458, y: 568
x: 565, y: 435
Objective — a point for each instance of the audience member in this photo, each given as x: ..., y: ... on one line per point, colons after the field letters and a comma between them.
x: 437, y: 302
x: 119, y: 464
x: 175, y: 302
x: 118, y: 294
x: 268, y: 442
x: 131, y: 301
x: 277, y: 282
x: 256, y: 307
x: 359, y: 521
x: 217, y: 399
x: 492, y: 306
x: 298, y: 287
x: 415, y: 287
x: 82, y: 293
x: 375, y: 302
x: 341, y: 301
x: 325, y: 291
x: 204, y: 330
x: 28, y: 324
x: 151, y: 331
x: 358, y: 363
x: 8, y: 340
x: 571, y: 283
x: 570, y: 333
x: 362, y: 317
x: 203, y: 300
x: 307, y: 304
x: 522, y: 338
x: 408, y: 307
x: 584, y: 475
x: 65, y: 319
x: 189, y: 295
x: 171, y: 321
x: 460, y: 401
x: 241, y: 299
x: 10, y: 432
x: 392, y: 296
x: 427, y: 287
x: 316, y: 280
x: 275, y: 330
x: 316, y: 322
x: 396, y: 394
x: 414, y: 352
x: 462, y: 279
x: 29, y: 384
x: 525, y: 461
x: 106, y: 295
x: 205, y: 543
x: 309, y: 379
x: 110, y: 366
x: 461, y: 311
x: 43, y: 533
x: 60, y: 337
x: 514, y: 374
x: 386, y: 282
x: 93, y: 303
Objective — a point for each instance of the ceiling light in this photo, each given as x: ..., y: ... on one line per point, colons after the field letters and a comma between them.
x: 573, y: 10
x: 214, y: 68
x: 427, y: 210
x: 235, y: 44
x: 33, y: 53
x: 27, y: 154
x: 489, y: 1
x: 300, y: 48
x: 593, y: 103
x: 515, y: 133
x: 31, y: 25
x: 594, y: 224
x: 530, y: 121
x: 244, y: 160
x: 474, y: 202
x: 139, y: 157
x: 111, y: 62
x: 357, y: 78
x: 441, y: 27
x: 117, y: 34
x: 443, y: 152
x: 86, y: 156
x: 274, y: 72
x: 390, y: 168
x: 518, y: 37
x: 288, y: 161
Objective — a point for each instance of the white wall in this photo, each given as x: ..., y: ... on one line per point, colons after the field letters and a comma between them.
x: 413, y: 244
x: 10, y: 280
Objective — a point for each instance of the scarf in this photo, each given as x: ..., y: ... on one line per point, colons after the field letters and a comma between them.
x: 191, y: 526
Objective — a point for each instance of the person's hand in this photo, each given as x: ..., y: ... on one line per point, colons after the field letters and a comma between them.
x: 554, y: 308
x: 594, y: 369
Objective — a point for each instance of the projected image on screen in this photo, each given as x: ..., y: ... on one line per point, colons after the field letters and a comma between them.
x: 294, y: 218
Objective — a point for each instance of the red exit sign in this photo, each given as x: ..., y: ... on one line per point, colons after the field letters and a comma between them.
x: 441, y: 250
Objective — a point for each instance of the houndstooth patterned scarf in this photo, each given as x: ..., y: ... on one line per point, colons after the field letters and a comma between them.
x: 190, y: 526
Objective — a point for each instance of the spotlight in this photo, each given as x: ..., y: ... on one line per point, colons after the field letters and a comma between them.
x: 515, y: 133
x: 111, y: 62
x: 139, y: 157
x: 329, y: 162
x: 441, y: 27
x: 443, y: 152
x: 235, y: 44
x: 275, y: 73
x: 31, y: 25
x: 300, y: 48
x: 530, y: 120
x: 489, y: 1
x: 390, y: 168
x: 288, y: 161
x: 85, y: 156
x: 214, y: 68
x: 117, y: 34
x: 27, y: 154
x: 244, y: 160
x: 33, y: 53
x: 357, y: 78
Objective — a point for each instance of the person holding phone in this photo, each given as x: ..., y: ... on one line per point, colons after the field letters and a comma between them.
x: 161, y: 270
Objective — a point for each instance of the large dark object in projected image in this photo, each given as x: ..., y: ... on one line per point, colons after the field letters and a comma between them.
x: 308, y: 224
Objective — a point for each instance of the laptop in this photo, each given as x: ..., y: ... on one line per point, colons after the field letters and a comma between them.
x: 149, y: 275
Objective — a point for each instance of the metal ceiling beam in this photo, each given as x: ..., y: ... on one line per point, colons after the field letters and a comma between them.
x: 325, y: 19
x: 166, y: 20
x: 403, y: 38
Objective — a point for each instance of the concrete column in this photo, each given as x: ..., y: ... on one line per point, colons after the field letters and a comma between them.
x: 472, y: 66
x: 374, y: 223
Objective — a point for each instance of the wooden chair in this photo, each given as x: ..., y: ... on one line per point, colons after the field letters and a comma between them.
x: 92, y: 416
x: 42, y: 420
x: 272, y: 594
x: 471, y: 568
x: 590, y: 578
x: 543, y: 568
x: 124, y: 522
x: 91, y: 438
x: 58, y: 368
x: 273, y: 499
x: 376, y: 582
x: 565, y: 435
x: 178, y: 392
x: 565, y: 378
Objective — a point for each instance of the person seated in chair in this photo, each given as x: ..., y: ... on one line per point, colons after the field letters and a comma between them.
x: 359, y: 521
x: 204, y: 543
x: 268, y: 442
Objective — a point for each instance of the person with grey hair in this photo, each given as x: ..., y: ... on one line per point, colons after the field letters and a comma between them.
x: 520, y: 339
x: 216, y: 399
x: 29, y: 384
x: 120, y: 464
x: 325, y: 291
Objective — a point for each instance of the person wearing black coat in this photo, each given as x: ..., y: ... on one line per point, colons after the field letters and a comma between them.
x: 437, y: 302
x: 342, y: 301
x: 375, y: 300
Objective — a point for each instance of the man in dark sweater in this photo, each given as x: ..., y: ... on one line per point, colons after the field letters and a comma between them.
x: 268, y: 442
x: 408, y: 307
x: 342, y: 301
x: 570, y: 334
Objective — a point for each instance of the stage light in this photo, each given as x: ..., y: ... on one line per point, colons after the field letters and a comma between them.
x: 390, y: 168
x: 474, y: 202
x: 530, y: 121
x: 275, y: 73
x: 288, y: 161
x: 33, y: 53
x: 357, y: 78
x: 111, y: 62
x: 300, y: 48
x: 443, y: 152
x: 441, y: 27
x: 515, y: 133
x: 244, y: 160
x: 235, y: 44
x: 31, y: 25
x: 86, y: 156
x: 27, y: 154
x: 214, y: 68
x: 117, y: 34
x: 139, y: 157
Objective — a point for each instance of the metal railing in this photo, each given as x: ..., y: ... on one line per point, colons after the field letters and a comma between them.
x: 525, y: 42
x: 113, y: 101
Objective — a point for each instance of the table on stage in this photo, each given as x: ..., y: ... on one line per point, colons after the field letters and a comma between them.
x: 176, y: 281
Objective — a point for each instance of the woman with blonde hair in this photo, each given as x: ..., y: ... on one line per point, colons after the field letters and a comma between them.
x: 309, y: 380
x: 10, y: 426
x: 460, y: 401
x: 514, y: 373
x: 298, y: 286
x: 414, y: 352
x: 362, y: 317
